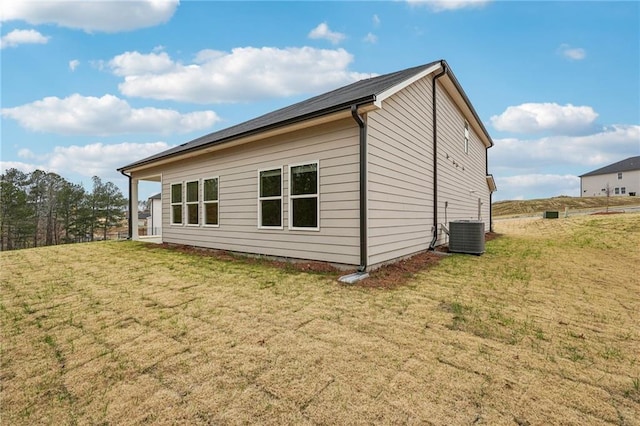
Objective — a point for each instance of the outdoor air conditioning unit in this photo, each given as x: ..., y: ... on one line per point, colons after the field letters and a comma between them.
x: 466, y: 236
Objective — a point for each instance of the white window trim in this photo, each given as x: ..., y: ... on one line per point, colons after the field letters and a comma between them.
x: 204, y: 203
x: 171, y: 203
x: 292, y: 197
x: 467, y: 136
x: 188, y: 203
x: 281, y: 198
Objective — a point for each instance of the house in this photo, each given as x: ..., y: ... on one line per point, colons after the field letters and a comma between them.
x: 621, y: 178
x: 154, y: 222
x: 360, y: 176
x: 143, y: 217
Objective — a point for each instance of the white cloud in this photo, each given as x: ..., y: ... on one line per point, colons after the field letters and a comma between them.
x: 322, y: 31
x: 73, y: 64
x: 443, y: 5
x: 572, y: 53
x: 23, y: 167
x: 375, y: 20
x: 606, y: 146
x: 545, y: 117
x: 242, y: 75
x: 108, y: 115
x: 134, y: 63
x: 96, y: 159
x: 90, y: 16
x: 26, y: 153
x: 530, y: 186
x: 370, y: 38
x: 99, y: 159
x: 17, y: 37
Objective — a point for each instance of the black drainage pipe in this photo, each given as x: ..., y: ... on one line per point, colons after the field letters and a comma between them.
x: 363, y: 187
x: 435, y: 153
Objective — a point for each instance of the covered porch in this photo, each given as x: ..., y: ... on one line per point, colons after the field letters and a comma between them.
x: 148, y: 226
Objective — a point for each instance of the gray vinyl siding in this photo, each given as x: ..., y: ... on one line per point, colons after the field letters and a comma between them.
x: 334, y: 145
x: 400, y: 174
x: 461, y: 176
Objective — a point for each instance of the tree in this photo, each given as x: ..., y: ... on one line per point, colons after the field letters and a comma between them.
x: 16, y: 226
x: 108, y: 203
x: 69, y: 210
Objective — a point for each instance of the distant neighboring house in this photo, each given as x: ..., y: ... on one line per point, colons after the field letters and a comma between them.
x: 622, y: 178
x: 142, y: 218
x: 362, y: 175
x: 154, y: 222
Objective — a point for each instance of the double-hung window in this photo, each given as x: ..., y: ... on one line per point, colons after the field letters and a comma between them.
x: 210, y: 201
x: 466, y: 137
x: 270, y: 198
x: 619, y: 175
x: 176, y: 204
x: 193, y: 207
x: 304, y: 206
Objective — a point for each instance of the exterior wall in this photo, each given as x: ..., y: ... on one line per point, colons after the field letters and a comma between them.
x: 461, y: 176
x: 595, y: 186
x: 400, y: 174
x: 334, y: 145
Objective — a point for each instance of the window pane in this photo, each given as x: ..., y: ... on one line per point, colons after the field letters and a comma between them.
x: 211, y: 190
x: 176, y: 193
x: 305, y: 212
x: 211, y: 213
x: 177, y: 214
x: 270, y: 183
x: 271, y: 212
x: 192, y: 191
x: 192, y: 214
x: 304, y: 179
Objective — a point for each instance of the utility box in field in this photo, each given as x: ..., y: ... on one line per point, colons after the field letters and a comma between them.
x: 550, y: 215
x: 466, y: 236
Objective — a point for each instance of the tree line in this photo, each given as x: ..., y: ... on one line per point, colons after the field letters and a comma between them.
x: 41, y: 209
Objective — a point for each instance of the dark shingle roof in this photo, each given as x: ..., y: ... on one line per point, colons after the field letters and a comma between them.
x: 363, y: 91
x: 627, y: 165
x: 360, y: 92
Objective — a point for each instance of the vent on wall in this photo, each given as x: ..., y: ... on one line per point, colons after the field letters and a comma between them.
x: 466, y: 236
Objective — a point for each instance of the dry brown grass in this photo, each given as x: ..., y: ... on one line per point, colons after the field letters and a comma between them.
x: 542, y: 329
x: 536, y: 207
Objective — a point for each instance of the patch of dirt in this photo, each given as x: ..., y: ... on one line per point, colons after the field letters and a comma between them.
x: 386, y: 277
x: 616, y: 212
x: 297, y: 265
x: 399, y: 273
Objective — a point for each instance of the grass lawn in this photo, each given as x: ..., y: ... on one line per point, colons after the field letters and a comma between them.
x: 542, y: 329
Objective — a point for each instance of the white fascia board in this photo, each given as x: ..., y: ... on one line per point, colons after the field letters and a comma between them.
x: 398, y: 87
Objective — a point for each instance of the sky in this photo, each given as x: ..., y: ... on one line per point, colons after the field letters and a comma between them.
x: 87, y: 87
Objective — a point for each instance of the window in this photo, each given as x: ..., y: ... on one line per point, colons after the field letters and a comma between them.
x: 466, y: 137
x: 619, y: 175
x: 193, y: 218
x: 303, y: 196
x: 176, y: 204
x: 270, y: 198
x: 210, y: 201
x: 617, y: 191
x: 623, y: 190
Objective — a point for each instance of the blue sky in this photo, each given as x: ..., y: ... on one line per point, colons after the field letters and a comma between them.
x: 87, y: 87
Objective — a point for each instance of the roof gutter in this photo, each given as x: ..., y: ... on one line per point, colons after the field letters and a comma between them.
x: 130, y: 219
x: 434, y: 85
x: 363, y: 187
